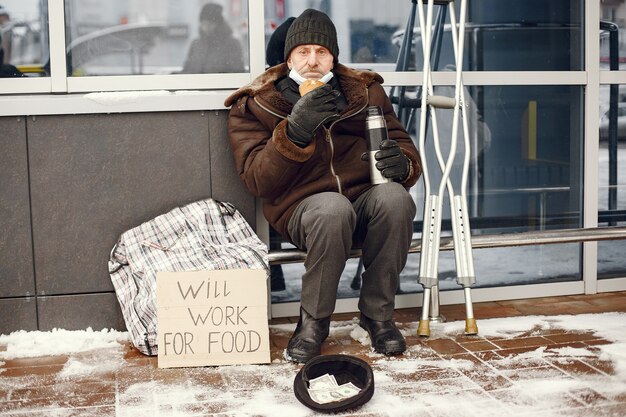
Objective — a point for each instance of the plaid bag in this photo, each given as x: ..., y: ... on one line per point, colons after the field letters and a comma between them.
x: 205, y: 235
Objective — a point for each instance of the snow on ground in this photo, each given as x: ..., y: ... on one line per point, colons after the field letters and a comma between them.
x: 536, y: 389
x: 23, y: 344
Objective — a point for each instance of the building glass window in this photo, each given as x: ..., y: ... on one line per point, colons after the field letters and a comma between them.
x: 612, y: 152
x: 525, y: 175
x: 526, y: 171
x: 367, y: 33
x: 25, y: 42
x: 612, y: 21
x: 547, y: 34
x: 612, y: 178
x: 123, y: 37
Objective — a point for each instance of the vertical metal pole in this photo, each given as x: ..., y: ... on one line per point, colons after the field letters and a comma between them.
x: 613, y: 116
x: 58, y: 62
x: 430, y: 234
x: 403, y: 63
x: 435, y: 314
x: 613, y: 30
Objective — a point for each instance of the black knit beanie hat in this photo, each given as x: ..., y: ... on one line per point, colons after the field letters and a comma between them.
x: 312, y: 27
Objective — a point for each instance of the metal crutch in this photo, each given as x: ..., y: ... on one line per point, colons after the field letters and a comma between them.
x: 429, y: 260
x: 406, y: 105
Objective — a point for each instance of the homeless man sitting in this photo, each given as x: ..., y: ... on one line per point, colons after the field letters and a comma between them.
x: 305, y: 157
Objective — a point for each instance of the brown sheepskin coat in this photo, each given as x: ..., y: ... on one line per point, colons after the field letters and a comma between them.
x: 283, y: 174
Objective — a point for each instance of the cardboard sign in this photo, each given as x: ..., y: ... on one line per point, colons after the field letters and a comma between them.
x: 212, y: 318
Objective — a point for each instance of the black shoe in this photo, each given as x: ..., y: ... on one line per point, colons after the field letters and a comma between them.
x: 385, y: 336
x: 306, y: 341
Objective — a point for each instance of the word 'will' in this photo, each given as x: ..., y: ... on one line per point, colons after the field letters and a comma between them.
x: 207, y: 289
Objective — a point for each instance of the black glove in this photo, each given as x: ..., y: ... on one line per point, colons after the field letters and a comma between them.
x: 310, y: 112
x: 392, y: 163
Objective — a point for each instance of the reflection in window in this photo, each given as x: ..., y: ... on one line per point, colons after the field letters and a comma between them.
x: 215, y: 49
x: 132, y: 37
x: 612, y: 178
x: 612, y: 21
x: 365, y: 30
x: 547, y: 35
x: 24, y: 32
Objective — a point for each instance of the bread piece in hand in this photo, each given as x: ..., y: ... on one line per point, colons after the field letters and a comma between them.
x: 309, y: 85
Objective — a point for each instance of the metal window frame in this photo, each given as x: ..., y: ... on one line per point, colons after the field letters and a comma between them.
x: 58, y: 82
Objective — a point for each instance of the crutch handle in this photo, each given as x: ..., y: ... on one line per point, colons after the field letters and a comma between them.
x: 442, y: 102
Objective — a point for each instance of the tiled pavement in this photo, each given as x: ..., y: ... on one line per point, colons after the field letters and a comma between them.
x: 125, y: 383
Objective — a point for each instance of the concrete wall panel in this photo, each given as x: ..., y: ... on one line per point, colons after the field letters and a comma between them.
x: 16, y: 252
x: 225, y: 183
x: 78, y: 312
x: 95, y: 176
x: 18, y: 314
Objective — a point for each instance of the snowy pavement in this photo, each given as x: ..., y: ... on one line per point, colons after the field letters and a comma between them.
x: 568, y: 365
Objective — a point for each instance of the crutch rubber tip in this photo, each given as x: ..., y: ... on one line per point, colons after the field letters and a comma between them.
x: 423, y: 329
x: 470, y: 326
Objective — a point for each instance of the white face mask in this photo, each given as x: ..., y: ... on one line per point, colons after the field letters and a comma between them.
x: 293, y: 74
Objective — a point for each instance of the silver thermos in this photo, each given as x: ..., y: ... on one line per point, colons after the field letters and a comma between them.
x: 375, y: 133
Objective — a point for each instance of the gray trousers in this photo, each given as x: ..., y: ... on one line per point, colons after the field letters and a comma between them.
x: 328, y: 225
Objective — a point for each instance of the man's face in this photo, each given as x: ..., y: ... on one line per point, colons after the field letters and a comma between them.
x: 310, y: 61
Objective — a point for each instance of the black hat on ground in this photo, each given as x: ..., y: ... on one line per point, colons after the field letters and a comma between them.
x: 345, y: 369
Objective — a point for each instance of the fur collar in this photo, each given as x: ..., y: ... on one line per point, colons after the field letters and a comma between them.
x: 353, y: 83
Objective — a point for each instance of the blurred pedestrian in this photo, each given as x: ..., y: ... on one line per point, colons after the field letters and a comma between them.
x: 215, y: 50
x: 6, y: 32
x: 7, y: 70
